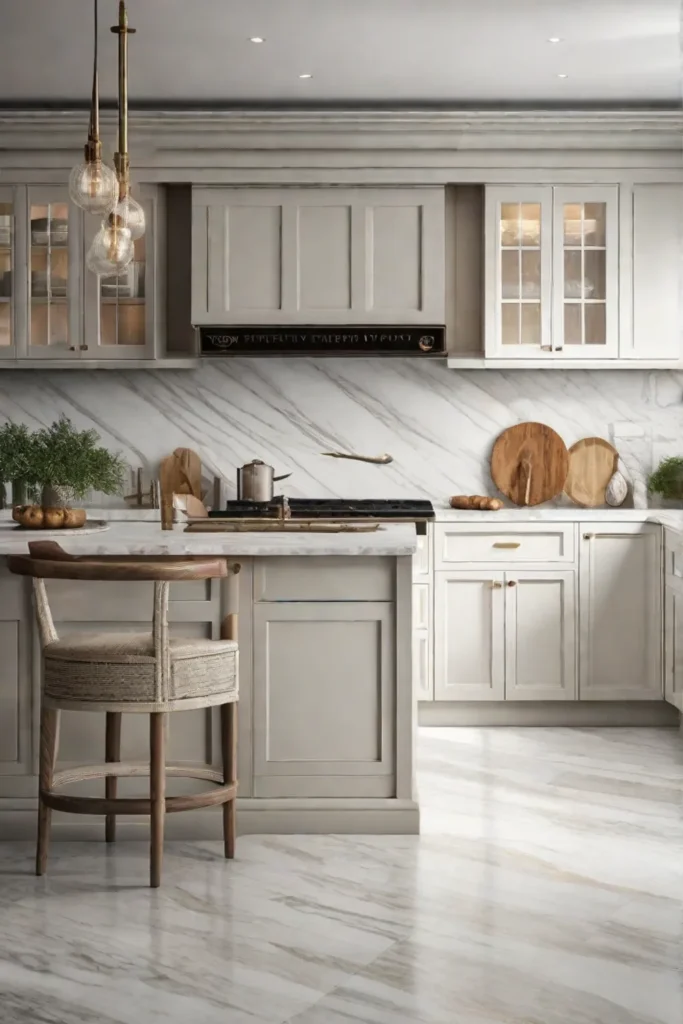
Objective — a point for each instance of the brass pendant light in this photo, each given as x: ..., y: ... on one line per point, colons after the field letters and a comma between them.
x: 112, y: 248
x: 92, y: 185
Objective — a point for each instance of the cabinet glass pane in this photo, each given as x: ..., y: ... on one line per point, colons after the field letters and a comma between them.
x: 594, y: 274
x: 572, y: 324
x: 585, y: 273
x: 531, y: 323
x: 509, y: 224
x: 510, y: 323
x: 531, y: 274
x: 531, y: 224
x: 596, y: 327
x: 49, y: 240
x: 6, y: 260
x: 122, y: 303
x: 510, y: 273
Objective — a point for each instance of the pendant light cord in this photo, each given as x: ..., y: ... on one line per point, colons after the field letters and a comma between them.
x: 95, y: 104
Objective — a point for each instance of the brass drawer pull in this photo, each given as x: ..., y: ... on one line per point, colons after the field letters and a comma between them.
x: 507, y: 544
x: 496, y: 586
x: 512, y: 583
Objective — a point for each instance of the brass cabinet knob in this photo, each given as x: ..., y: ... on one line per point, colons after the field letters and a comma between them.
x: 496, y: 585
x: 512, y: 583
x: 588, y: 536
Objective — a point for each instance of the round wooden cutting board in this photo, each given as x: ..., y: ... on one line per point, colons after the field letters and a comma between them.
x: 592, y: 464
x: 529, y: 463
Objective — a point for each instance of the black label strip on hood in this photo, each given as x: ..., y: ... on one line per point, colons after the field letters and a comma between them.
x: 321, y: 340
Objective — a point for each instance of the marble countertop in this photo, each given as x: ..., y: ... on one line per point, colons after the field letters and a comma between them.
x: 445, y: 514
x: 145, y: 538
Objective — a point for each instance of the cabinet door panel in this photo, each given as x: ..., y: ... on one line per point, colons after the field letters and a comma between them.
x: 518, y: 257
x: 469, y: 636
x: 15, y: 676
x: 55, y: 274
x: 657, y: 237
x: 586, y: 272
x: 323, y: 697
x: 318, y: 255
x: 620, y: 612
x: 540, y: 636
x: 673, y: 644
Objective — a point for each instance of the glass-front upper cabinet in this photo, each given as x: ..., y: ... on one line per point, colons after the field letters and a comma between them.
x: 122, y: 311
x: 7, y: 273
x: 551, y: 272
x: 55, y: 243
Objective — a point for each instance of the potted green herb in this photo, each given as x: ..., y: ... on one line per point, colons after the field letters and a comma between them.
x: 66, y: 463
x: 16, y: 462
x: 667, y: 479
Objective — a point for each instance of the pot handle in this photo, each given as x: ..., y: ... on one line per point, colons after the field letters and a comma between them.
x: 283, y: 477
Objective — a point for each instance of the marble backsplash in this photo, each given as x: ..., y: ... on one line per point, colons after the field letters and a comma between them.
x: 439, y: 424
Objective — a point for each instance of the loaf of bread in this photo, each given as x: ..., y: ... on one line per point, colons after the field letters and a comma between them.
x: 476, y: 502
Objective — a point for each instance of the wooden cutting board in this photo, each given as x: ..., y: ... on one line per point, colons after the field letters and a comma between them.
x: 592, y: 463
x: 181, y: 473
x: 529, y: 463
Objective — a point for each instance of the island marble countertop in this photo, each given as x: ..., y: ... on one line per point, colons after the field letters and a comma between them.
x: 145, y: 538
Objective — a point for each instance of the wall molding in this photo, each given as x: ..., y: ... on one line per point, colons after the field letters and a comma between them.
x: 548, y: 713
x: 436, y: 130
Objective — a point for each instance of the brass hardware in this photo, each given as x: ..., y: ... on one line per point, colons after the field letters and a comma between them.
x: 559, y: 348
x: 507, y: 544
x: 84, y: 348
x: 121, y: 158
x: 588, y: 536
x: 512, y: 583
x: 72, y: 348
x: 546, y: 348
x: 496, y: 586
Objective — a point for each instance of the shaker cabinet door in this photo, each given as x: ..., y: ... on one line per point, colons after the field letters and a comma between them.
x: 540, y: 635
x: 318, y: 255
x: 324, y: 699
x: 620, y: 612
x: 657, y: 239
x: 469, y: 636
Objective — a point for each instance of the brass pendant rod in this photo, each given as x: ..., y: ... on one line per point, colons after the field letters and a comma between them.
x: 121, y: 158
x: 93, y: 147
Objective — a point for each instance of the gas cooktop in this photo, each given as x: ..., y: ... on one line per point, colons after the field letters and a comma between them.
x: 328, y: 508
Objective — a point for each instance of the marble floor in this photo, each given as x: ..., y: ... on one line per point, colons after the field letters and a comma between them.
x: 547, y: 888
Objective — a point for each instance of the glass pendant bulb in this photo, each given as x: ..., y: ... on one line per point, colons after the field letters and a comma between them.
x: 93, y: 187
x: 112, y: 248
x: 131, y: 215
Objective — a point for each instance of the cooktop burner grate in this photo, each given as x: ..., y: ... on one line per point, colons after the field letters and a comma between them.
x: 329, y: 508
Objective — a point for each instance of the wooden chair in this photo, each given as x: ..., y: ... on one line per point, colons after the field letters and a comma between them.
x: 149, y: 673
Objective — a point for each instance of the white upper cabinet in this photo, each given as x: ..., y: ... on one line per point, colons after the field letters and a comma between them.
x: 124, y: 313
x: 657, y: 213
x: 318, y: 255
x: 552, y: 272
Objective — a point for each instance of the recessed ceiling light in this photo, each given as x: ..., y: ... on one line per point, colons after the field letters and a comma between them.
x: 563, y: 76
x: 306, y: 74
x: 257, y: 39
x: 555, y: 39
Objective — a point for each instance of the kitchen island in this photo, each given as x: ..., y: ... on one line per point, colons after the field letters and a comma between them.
x: 326, y: 708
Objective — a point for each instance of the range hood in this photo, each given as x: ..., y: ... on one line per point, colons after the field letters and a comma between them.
x: 321, y: 340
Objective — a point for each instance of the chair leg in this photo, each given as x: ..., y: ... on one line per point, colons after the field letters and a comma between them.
x: 229, y: 751
x: 112, y: 754
x: 49, y: 742
x: 157, y: 793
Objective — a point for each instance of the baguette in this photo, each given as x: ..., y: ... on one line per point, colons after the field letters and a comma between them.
x: 476, y: 502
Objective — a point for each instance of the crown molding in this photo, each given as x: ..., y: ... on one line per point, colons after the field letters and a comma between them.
x: 444, y: 130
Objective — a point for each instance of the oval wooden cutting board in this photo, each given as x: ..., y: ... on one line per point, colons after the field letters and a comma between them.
x: 592, y: 464
x: 529, y: 463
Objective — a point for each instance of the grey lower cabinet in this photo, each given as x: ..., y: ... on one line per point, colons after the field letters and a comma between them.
x: 323, y: 699
x: 16, y: 704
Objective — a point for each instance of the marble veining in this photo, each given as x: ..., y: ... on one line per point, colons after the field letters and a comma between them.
x: 145, y: 538
x: 439, y: 424
x: 546, y: 888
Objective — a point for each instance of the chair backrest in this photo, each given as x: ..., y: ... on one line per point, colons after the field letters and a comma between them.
x: 48, y: 561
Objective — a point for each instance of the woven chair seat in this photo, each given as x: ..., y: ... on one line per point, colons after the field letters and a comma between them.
x: 120, y: 668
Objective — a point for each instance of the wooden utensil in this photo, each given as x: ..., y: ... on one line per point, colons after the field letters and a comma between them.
x: 592, y: 464
x: 375, y: 460
x: 479, y: 502
x: 529, y: 463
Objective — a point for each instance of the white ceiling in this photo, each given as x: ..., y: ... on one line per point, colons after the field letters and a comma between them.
x: 360, y: 52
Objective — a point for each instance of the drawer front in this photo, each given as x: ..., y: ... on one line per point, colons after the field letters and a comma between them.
x: 324, y: 579
x: 493, y: 544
